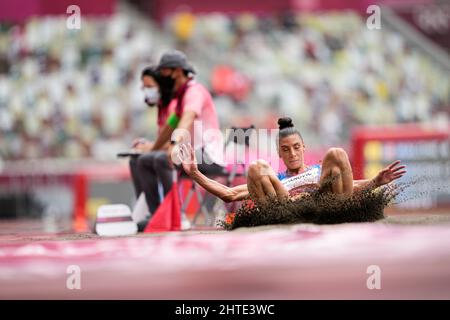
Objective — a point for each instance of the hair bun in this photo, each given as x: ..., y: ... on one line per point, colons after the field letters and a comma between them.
x: 285, y: 123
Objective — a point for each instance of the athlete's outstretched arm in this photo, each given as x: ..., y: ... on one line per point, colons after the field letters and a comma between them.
x: 392, y: 172
x: 227, y: 194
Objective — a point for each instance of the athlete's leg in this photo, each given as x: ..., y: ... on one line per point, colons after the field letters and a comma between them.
x: 262, y: 182
x: 336, y: 167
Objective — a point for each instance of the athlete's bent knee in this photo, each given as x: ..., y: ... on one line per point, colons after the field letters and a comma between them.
x: 337, y: 155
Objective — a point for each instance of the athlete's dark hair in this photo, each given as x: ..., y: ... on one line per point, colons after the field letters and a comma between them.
x: 287, y: 128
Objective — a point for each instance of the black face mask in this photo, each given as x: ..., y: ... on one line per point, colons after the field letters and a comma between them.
x: 166, y: 83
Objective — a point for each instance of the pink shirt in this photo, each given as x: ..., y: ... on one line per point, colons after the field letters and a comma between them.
x: 205, y: 133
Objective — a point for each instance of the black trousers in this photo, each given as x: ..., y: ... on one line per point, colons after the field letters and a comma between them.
x: 150, y: 168
x: 146, y: 171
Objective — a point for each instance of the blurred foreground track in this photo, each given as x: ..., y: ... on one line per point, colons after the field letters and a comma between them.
x: 270, y: 262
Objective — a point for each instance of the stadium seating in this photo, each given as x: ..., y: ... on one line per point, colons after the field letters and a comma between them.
x: 76, y: 94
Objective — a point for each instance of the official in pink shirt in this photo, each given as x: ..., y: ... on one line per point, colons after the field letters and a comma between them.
x: 191, y: 110
x: 199, y: 118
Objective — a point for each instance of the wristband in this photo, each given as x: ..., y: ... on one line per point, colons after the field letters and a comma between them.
x: 173, y: 121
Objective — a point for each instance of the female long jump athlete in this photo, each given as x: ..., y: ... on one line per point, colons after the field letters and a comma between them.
x: 299, y: 179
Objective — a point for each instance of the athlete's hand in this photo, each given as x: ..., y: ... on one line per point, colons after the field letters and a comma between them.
x: 186, y: 155
x: 392, y: 172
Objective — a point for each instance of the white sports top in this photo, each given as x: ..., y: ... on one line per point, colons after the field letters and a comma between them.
x: 304, y: 181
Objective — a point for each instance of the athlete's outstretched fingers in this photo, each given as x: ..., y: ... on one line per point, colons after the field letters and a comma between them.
x: 182, y: 153
x: 393, y: 164
x: 399, y: 174
x: 394, y: 170
x: 398, y: 168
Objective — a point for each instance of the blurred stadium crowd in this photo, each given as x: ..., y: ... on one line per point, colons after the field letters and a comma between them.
x: 76, y: 93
